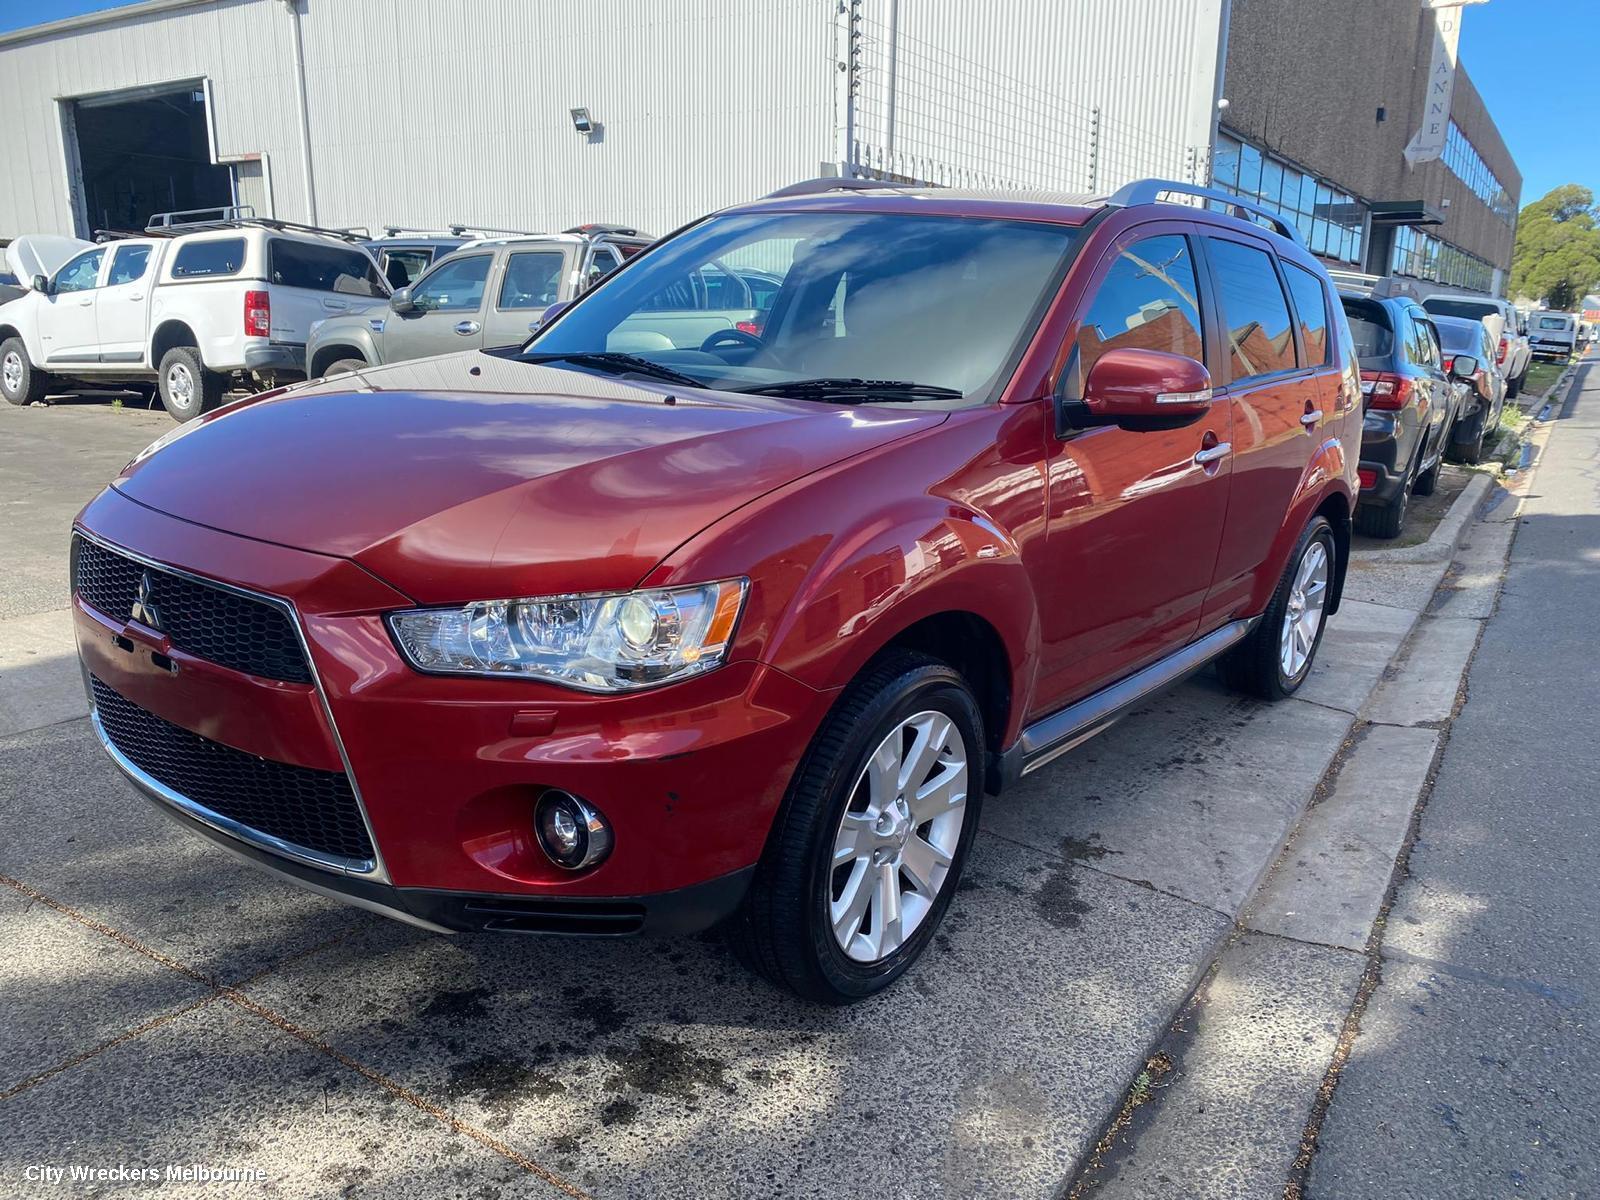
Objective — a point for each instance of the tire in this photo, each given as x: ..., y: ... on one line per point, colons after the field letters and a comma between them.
x: 344, y: 366
x: 187, y: 388
x: 1429, y: 479
x: 1470, y: 450
x: 1514, y: 386
x: 20, y: 381
x: 1256, y: 665
x: 785, y: 929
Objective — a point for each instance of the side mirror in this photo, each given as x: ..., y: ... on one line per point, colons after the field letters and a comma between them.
x: 1464, y: 367
x: 1145, y: 390
x: 551, y: 313
x: 401, y: 302
x: 41, y: 284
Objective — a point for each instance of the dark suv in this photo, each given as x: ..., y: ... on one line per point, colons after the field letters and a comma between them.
x: 629, y: 629
x: 1410, y: 402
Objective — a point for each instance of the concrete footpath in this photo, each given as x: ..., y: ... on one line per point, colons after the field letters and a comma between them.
x: 1234, y: 1101
x: 1477, y: 1068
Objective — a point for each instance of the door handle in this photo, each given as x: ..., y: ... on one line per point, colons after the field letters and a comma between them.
x: 1212, y: 453
x: 137, y: 296
x: 466, y: 328
x: 1310, y: 419
x: 86, y: 303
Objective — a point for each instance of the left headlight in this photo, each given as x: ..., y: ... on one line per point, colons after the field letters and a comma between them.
x: 606, y: 642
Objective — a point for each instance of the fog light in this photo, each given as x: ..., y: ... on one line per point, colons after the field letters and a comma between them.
x: 571, y: 831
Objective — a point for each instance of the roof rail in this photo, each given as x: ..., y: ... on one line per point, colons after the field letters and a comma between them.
x: 598, y: 229
x: 238, y: 217
x: 116, y: 235
x: 833, y: 183
x: 1149, y: 191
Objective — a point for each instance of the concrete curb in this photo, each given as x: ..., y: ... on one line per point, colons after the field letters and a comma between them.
x: 1441, y: 546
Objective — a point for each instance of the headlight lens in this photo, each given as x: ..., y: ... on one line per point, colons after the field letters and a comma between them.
x: 610, y: 642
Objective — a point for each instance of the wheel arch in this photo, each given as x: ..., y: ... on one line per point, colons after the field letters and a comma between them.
x: 324, y: 357
x: 1335, y: 507
x: 169, y: 335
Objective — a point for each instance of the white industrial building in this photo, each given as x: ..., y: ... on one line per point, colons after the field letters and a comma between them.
x: 424, y: 112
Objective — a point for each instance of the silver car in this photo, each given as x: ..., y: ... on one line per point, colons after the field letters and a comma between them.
x: 486, y: 294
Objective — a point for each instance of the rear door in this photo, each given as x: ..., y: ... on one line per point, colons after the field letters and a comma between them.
x: 528, y: 283
x: 122, y: 306
x: 67, y: 331
x: 1276, y: 402
x: 311, y: 281
x: 448, y: 312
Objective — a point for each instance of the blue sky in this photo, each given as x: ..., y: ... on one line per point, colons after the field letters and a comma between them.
x: 1532, y: 60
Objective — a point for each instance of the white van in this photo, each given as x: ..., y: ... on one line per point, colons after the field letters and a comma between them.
x: 1553, y: 334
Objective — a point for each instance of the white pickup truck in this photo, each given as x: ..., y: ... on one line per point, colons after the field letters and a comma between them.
x: 194, y: 309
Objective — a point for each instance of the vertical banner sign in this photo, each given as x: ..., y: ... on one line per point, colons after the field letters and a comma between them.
x: 1427, y: 143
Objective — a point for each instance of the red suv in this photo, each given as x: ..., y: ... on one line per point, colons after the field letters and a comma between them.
x: 694, y: 610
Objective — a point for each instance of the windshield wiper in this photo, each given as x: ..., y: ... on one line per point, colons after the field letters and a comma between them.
x: 832, y: 388
x: 617, y: 364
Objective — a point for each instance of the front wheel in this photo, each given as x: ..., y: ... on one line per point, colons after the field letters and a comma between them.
x: 20, y: 381
x: 870, y: 842
x: 1275, y: 658
x: 1468, y: 444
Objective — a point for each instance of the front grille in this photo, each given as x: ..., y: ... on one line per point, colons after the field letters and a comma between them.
x: 208, y: 622
x: 313, y: 809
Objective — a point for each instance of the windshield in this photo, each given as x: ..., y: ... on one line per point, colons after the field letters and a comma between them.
x: 810, y: 303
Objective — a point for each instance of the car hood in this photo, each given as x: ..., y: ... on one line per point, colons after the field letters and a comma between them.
x: 41, y: 254
x: 474, y: 476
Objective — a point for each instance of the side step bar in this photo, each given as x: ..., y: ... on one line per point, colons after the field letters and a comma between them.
x: 1048, y: 738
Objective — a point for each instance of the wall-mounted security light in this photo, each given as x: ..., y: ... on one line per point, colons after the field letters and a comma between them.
x: 582, y: 121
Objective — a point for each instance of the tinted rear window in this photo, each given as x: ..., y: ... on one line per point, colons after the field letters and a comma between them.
x: 1555, y: 322
x: 1461, y: 337
x: 1369, y: 326
x: 209, y: 260
x: 350, y: 272
x: 1473, y: 309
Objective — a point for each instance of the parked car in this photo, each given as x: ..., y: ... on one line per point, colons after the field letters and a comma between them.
x: 1554, y: 335
x: 1513, y: 351
x: 205, y: 302
x: 488, y: 292
x: 1410, y: 404
x: 1479, y: 413
x: 577, y: 639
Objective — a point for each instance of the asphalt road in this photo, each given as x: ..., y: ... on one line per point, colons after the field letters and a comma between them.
x: 166, y: 1005
x: 1477, y: 1069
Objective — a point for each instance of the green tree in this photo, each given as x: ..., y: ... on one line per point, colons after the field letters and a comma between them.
x: 1557, y: 256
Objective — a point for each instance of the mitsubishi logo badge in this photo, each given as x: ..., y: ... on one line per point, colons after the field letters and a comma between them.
x: 144, y: 611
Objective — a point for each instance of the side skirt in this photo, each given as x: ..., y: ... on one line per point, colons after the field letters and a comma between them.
x: 1048, y: 738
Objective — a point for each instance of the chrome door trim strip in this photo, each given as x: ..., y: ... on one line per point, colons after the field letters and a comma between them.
x: 1048, y: 738
x: 375, y: 869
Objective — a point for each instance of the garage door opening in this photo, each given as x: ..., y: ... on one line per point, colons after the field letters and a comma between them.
x: 145, y: 152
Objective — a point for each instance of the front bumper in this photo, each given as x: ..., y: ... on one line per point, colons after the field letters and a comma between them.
x: 447, y: 771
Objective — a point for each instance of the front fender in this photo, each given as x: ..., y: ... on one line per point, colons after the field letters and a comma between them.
x: 352, y: 331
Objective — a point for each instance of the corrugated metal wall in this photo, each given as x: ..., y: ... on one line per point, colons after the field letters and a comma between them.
x: 1077, y: 95
x: 429, y: 111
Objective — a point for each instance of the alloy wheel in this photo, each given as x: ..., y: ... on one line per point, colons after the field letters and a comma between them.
x: 898, y: 836
x: 11, y: 370
x: 1302, y: 617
